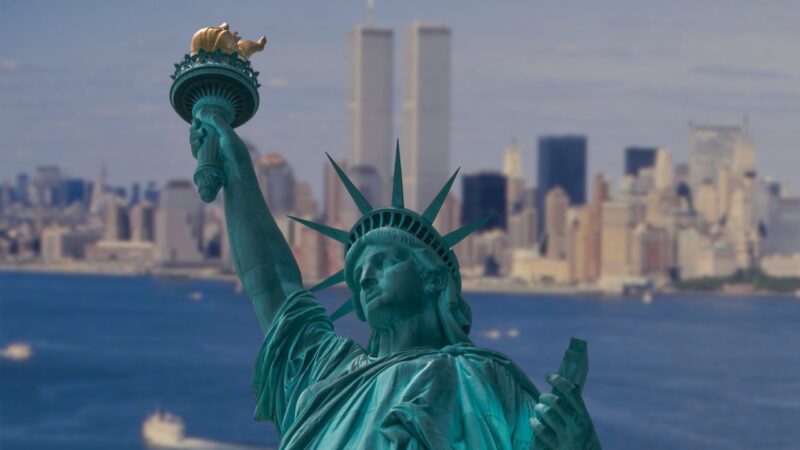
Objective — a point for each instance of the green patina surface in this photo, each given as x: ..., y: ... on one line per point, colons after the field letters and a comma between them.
x: 421, y: 383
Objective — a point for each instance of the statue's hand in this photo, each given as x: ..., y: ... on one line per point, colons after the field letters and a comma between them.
x: 561, y: 421
x: 210, y: 129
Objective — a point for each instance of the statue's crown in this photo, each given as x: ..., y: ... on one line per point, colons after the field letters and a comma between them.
x: 396, y: 216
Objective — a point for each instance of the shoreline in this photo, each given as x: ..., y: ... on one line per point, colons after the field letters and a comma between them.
x: 469, y: 285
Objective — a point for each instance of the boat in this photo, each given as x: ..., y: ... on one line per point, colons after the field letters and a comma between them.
x: 163, y: 429
x: 196, y: 296
x: 647, y: 298
x: 17, y: 351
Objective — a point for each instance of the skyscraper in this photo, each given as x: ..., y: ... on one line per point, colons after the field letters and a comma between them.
x: 179, y: 224
x: 426, y: 110
x: 485, y: 193
x: 562, y: 162
x: 555, y: 227
x: 512, y: 169
x: 637, y: 158
x: 711, y: 148
x: 278, y: 178
x: 369, y: 106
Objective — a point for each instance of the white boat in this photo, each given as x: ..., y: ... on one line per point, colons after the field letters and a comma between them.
x: 647, y: 298
x: 17, y: 351
x: 163, y: 429
x: 196, y: 296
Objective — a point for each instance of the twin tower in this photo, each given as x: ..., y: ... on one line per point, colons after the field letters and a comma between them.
x: 426, y: 90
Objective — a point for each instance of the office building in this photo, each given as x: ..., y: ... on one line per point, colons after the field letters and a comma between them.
x: 278, y: 178
x: 556, y: 204
x: 369, y: 106
x: 561, y: 162
x: 711, y: 147
x: 484, y: 193
x: 637, y: 158
x: 179, y: 225
x: 426, y: 113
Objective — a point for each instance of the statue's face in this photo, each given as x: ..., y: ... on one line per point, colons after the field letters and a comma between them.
x: 390, y: 286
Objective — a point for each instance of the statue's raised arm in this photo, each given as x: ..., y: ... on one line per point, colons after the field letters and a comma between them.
x: 261, y: 256
x: 216, y: 89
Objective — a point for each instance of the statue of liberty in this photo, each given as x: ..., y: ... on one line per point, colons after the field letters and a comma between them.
x: 420, y: 383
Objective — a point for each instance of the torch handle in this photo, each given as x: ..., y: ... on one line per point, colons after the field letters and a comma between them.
x: 209, y: 177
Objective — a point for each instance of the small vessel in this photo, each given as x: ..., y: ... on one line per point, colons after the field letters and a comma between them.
x: 163, y: 429
x: 196, y: 296
x: 647, y: 298
x: 17, y: 351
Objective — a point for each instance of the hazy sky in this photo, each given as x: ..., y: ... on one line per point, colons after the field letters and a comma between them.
x: 85, y: 82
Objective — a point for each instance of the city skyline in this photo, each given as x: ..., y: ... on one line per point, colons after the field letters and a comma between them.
x: 519, y: 71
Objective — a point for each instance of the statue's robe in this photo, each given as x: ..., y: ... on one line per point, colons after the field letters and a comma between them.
x: 323, y: 390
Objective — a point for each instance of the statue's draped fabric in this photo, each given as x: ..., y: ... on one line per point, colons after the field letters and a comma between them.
x: 325, y: 391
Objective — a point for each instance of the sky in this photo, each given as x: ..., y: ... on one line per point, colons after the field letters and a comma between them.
x: 84, y: 83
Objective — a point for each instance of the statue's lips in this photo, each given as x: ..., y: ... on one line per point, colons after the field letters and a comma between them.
x: 372, y: 295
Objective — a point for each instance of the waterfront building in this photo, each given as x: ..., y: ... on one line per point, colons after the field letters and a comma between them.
x: 529, y: 265
x: 781, y: 227
x: 426, y: 113
x: 650, y: 252
x: 699, y: 256
x: 59, y: 244
x: 485, y: 193
x: 135, y: 254
x: 561, y: 162
x: 485, y: 254
x: 369, y: 106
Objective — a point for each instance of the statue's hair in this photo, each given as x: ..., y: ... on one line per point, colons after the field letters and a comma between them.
x: 454, y: 312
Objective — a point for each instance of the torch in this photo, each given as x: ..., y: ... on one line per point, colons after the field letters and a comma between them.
x: 217, y: 73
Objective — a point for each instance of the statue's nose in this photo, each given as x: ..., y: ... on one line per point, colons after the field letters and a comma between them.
x: 367, y: 278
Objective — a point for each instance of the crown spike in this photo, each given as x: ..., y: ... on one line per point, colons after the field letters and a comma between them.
x: 361, y: 202
x: 339, y: 235
x: 336, y: 278
x: 433, y: 209
x: 458, y: 235
x: 343, y: 310
x: 397, y: 186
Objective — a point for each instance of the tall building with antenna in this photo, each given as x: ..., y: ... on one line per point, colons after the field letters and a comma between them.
x: 426, y: 112
x: 369, y: 106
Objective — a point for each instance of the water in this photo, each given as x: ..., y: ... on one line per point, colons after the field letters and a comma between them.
x: 685, y: 371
